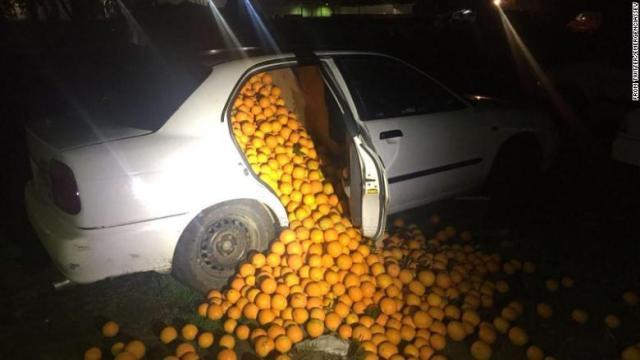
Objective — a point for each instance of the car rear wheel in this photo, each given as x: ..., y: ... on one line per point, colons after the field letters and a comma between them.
x: 218, y: 240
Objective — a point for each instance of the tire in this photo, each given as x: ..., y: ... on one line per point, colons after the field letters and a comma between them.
x: 218, y: 239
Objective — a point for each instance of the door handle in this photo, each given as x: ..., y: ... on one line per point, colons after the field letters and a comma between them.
x: 391, y: 134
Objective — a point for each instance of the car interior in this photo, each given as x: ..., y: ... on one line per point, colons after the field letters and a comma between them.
x: 306, y: 92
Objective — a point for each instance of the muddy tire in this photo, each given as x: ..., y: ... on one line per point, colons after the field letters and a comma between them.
x: 218, y: 240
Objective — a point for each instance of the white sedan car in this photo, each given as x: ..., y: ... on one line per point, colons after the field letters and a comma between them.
x: 108, y: 199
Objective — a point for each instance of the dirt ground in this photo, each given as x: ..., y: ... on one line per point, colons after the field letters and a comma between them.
x: 575, y: 226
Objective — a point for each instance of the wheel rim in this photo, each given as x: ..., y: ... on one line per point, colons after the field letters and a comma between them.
x: 224, y: 244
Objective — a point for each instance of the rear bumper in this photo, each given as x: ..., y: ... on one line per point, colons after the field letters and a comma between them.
x: 88, y: 255
x: 626, y: 149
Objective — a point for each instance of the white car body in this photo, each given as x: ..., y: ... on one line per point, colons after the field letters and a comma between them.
x: 139, y: 190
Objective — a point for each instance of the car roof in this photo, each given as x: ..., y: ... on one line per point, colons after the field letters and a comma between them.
x: 212, y: 58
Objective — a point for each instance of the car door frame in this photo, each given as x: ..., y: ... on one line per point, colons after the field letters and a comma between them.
x: 351, y: 126
x: 375, y: 188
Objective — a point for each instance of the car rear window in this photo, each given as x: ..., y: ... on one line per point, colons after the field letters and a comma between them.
x: 142, y: 89
x: 125, y: 85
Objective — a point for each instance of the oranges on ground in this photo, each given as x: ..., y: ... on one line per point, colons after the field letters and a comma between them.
x: 110, y: 329
x: 136, y: 347
x: 399, y: 300
x: 168, y: 334
x: 227, y: 354
x: 518, y: 336
x: 205, y: 340
x: 93, y: 353
x: 480, y: 350
x: 189, y: 332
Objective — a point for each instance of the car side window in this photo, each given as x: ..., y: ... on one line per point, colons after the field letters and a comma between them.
x: 383, y: 88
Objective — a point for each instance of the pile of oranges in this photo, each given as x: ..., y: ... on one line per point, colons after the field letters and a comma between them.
x: 402, y: 301
x: 321, y: 276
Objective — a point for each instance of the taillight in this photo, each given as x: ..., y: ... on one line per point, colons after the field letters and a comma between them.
x: 64, y: 187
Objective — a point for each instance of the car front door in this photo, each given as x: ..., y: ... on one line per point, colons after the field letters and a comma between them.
x: 428, y: 138
x: 366, y: 182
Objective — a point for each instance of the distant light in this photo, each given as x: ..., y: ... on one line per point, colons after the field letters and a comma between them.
x: 466, y: 11
x: 497, y: 2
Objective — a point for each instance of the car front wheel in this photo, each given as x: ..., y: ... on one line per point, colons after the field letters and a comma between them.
x: 218, y: 240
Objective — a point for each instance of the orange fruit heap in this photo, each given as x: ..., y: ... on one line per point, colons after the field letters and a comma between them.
x: 320, y: 275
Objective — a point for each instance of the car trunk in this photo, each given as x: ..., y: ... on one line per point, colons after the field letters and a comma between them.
x: 49, y: 138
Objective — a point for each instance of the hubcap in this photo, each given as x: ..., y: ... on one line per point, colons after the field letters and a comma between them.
x: 225, y: 243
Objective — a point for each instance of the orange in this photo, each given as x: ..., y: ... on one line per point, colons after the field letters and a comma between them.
x: 227, y: 354
x: 544, y: 310
x: 275, y: 330
x: 417, y: 287
x: 283, y: 344
x: 486, y: 333
x: 422, y: 320
x: 205, y: 340
x: 501, y: 324
x: 294, y: 333
x: 534, y: 353
x: 518, y: 336
x: 580, y: 316
x: 630, y: 298
x: 345, y: 331
x: 295, y: 262
x: 344, y: 262
x: 230, y: 325
x: 93, y: 353
x: 355, y: 293
x: 298, y: 300
x: 242, y: 332
x: 480, y: 350
x: 268, y: 285
x: 426, y: 352
x: 168, y: 334
x: 612, y: 321
x: 250, y: 311
x: 387, y: 349
x: 136, y: 347
x: 456, y: 331
x: 315, y: 328
x: 437, y: 342
x: 258, y: 260
x: 263, y: 345
x: 361, y: 333
x: 265, y: 316
x: 184, y: 348
x: 388, y: 306
x: 300, y: 315
x: 332, y: 321
x: 227, y: 341
x: 110, y: 329
x: 189, y: 332
x: 287, y: 236
x: 278, y: 302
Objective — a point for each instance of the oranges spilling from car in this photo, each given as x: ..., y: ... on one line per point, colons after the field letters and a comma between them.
x: 404, y: 299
